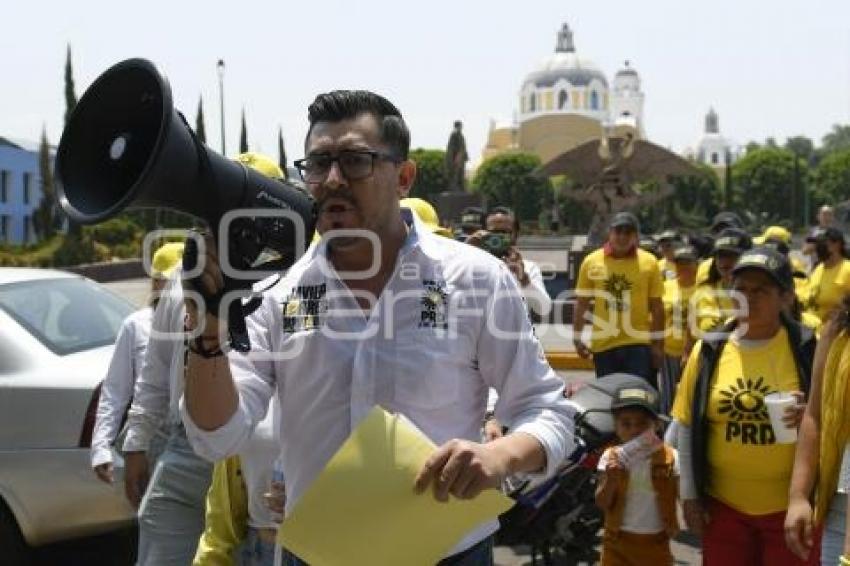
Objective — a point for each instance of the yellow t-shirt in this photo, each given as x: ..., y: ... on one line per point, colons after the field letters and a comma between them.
x: 703, y: 270
x: 748, y: 470
x: 827, y: 288
x: 667, y: 269
x: 676, y: 302
x: 620, y: 289
x: 714, y: 306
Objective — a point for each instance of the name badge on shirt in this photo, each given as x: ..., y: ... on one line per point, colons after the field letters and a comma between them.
x: 304, y: 308
x: 434, y: 305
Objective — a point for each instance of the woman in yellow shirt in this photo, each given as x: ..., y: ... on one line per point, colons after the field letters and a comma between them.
x: 734, y: 474
x: 712, y: 299
x: 830, y: 281
x: 821, y: 465
x: 676, y: 299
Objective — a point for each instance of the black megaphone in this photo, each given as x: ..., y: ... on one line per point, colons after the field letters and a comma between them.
x: 125, y: 145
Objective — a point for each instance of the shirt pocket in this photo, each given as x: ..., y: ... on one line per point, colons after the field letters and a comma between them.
x: 429, y: 368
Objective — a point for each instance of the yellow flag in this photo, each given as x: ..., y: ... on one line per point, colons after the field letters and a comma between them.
x: 362, y: 509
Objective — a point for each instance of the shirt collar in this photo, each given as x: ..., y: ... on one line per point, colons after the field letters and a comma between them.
x: 609, y: 251
x: 418, y: 237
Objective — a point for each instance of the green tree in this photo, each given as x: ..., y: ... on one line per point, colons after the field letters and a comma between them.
x: 837, y: 139
x: 430, y: 173
x: 695, y: 199
x: 507, y: 180
x: 44, y: 217
x: 764, y: 182
x: 200, y: 130
x: 281, y: 153
x: 74, y: 229
x: 832, y: 178
x: 802, y: 146
x: 243, y: 135
x: 70, y: 95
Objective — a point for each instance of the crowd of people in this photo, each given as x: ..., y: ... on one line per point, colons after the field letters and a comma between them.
x: 219, y: 446
x: 743, y: 321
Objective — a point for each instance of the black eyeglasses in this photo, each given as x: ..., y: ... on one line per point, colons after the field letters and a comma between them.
x: 354, y: 164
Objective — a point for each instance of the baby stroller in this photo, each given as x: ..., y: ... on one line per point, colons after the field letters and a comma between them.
x: 558, y: 519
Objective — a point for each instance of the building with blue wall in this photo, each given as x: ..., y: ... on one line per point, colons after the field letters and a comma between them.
x: 20, y: 190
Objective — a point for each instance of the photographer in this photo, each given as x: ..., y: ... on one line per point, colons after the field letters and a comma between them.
x: 499, y: 238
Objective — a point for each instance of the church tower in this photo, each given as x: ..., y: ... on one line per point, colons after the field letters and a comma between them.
x: 627, y: 100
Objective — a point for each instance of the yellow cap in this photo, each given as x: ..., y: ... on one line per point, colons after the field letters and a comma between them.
x: 774, y: 233
x: 166, y: 259
x: 261, y: 164
x: 426, y: 213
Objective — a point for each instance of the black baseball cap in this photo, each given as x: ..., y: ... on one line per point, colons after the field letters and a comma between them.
x: 669, y: 236
x: 636, y: 396
x: 733, y: 240
x: 622, y: 219
x: 768, y: 260
x: 726, y: 219
x: 685, y: 254
x: 472, y: 217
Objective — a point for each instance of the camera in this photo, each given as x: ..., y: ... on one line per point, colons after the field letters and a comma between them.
x: 495, y: 243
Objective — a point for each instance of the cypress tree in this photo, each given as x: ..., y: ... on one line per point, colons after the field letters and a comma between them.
x: 75, y: 230
x: 243, y: 135
x: 70, y: 95
x: 44, y: 217
x: 200, y: 130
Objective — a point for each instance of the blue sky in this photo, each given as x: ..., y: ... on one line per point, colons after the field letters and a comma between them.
x: 770, y: 68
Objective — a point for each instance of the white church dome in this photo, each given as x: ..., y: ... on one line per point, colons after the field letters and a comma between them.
x: 565, y: 64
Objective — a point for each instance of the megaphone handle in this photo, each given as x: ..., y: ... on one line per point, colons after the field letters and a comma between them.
x: 236, y: 327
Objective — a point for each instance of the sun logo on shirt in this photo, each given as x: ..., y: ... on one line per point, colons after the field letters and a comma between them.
x: 618, y: 285
x: 744, y: 400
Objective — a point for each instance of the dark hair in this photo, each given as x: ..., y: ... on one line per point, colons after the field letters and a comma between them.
x: 703, y: 243
x: 507, y: 212
x: 339, y: 105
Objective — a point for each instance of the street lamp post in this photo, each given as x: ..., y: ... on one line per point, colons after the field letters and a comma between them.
x: 795, y: 191
x: 220, y: 69
x: 727, y: 180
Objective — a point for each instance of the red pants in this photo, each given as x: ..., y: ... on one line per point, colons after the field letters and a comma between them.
x: 733, y: 538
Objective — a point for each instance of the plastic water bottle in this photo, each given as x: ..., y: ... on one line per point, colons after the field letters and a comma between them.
x: 638, y: 448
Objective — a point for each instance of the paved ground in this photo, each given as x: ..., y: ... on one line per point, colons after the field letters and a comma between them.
x: 685, y: 551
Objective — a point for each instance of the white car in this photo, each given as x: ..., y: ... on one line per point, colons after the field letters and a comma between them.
x: 56, y: 339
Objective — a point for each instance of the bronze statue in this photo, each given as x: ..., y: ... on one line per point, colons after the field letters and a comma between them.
x: 456, y: 158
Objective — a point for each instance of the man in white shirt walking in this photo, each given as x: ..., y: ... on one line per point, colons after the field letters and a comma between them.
x: 117, y: 388
x: 419, y: 324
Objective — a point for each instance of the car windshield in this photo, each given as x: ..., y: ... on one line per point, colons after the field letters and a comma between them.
x: 66, y: 315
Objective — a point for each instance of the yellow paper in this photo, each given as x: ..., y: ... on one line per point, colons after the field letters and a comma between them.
x: 362, y: 508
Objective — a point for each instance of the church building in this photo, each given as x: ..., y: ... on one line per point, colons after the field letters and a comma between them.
x: 566, y: 101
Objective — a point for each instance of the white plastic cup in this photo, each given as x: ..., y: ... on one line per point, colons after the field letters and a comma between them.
x: 777, y: 404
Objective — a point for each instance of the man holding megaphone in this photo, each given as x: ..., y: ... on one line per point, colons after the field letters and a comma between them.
x: 451, y: 320
x: 402, y: 278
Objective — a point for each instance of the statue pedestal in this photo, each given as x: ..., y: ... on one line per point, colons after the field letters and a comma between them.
x: 449, y: 204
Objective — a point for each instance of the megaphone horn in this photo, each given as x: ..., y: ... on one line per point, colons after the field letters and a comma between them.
x: 125, y: 145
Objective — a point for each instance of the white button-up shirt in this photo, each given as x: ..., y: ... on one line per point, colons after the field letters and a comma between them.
x: 117, y: 388
x: 449, y: 323
x: 159, y: 387
x: 535, y: 292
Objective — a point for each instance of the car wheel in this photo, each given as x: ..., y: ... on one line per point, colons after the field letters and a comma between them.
x: 15, y: 549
